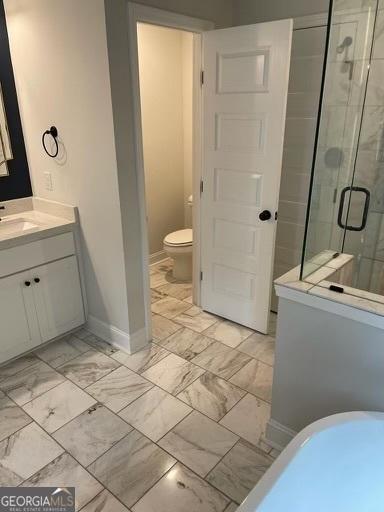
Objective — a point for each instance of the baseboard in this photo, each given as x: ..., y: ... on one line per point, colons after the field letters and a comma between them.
x: 278, y: 435
x: 157, y: 256
x: 123, y: 341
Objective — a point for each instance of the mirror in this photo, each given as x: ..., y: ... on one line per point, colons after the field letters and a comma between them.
x: 5, y: 142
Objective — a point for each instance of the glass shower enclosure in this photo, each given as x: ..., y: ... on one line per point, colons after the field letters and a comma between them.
x: 346, y: 204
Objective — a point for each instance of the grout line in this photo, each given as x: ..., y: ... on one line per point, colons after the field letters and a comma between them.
x: 108, y: 374
x: 55, y: 369
x: 66, y: 379
x: 157, y: 481
x: 238, y: 442
x: 98, y: 494
x: 247, y: 390
x: 210, y: 370
x: 152, y: 442
x: 133, y: 429
x: 177, y: 353
x: 43, y: 393
x: 230, y: 408
x: 21, y: 428
x: 62, y: 340
x: 33, y: 352
x: 183, y: 465
x: 67, y: 422
x: 97, y: 380
x: 181, y: 390
x: 215, y: 466
x: 171, y: 429
x: 91, y: 349
x: 136, y: 399
x: 65, y: 452
x: 154, y: 364
x: 214, y: 339
x: 23, y: 369
x: 62, y: 382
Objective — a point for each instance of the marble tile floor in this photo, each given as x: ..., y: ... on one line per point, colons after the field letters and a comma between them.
x: 177, y: 426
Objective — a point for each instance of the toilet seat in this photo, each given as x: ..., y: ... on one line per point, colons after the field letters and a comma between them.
x: 179, y: 246
x: 181, y: 238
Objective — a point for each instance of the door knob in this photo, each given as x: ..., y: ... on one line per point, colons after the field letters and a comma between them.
x: 27, y: 283
x: 265, y: 215
x: 37, y: 279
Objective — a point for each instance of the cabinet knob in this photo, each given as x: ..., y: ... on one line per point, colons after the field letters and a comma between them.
x: 27, y: 283
x: 37, y: 279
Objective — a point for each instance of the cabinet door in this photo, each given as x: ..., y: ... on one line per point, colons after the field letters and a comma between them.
x: 58, y: 298
x: 19, y: 330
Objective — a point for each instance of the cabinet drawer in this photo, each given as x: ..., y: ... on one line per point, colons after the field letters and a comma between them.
x: 36, y: 253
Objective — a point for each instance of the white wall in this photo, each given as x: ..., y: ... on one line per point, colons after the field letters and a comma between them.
x: 246, y: 12
x: 218, y: 11
x: 325, y: 364
x: 59, y: 54
x: 163, y: 62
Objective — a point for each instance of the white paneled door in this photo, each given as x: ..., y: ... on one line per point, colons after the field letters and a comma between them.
x: 246, y: 72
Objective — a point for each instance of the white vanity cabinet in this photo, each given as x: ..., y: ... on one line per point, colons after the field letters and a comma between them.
x: 18, y: 321
x: 57, y: 297
x: 40, y: 294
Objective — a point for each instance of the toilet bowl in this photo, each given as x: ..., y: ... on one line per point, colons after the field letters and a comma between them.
x: 178, y: 246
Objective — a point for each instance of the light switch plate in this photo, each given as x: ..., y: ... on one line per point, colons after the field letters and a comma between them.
x: 48, y: 181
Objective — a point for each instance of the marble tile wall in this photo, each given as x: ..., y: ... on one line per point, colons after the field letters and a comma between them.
x: 348, y: 109
x: 302, y: 106
x: 178, y: 426
x: 369, y: 173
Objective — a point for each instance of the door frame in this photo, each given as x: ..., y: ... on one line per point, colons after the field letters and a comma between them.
x: 138, y: 13
x: 311, y: 21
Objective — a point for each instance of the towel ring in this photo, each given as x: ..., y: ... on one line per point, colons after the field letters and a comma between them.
x: 53, y: 133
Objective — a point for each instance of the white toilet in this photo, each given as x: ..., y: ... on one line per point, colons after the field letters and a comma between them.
x: 178, y: 246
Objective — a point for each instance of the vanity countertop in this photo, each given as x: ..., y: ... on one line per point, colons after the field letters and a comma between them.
x: 30, y: 219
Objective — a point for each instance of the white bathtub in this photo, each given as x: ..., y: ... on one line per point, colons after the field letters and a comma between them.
x: 335, y: 464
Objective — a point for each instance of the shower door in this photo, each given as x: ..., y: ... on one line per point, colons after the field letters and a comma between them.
x: 347, y: 189
x: 364, y: 200
x: 366, y: 206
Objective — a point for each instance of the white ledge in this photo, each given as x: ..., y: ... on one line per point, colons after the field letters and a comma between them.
x: 354, y: 304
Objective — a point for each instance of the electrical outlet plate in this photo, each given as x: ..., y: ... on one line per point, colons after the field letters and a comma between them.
x: 48, y: 181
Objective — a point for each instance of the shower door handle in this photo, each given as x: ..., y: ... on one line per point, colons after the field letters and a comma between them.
x: 365, y: 211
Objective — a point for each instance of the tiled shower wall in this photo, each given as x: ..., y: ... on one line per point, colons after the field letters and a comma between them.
x: 302, y: 107
x: 369, y: 171
x: 352, y: 131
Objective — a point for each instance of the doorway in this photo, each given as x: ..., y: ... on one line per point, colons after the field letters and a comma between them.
x: 190, y: 29
x: 165, y: 57
x: 238, y: 127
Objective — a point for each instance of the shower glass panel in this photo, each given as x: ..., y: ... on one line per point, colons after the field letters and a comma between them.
x: 346, y: 206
